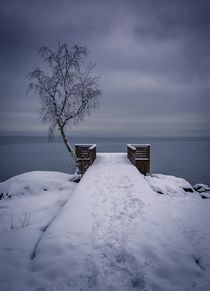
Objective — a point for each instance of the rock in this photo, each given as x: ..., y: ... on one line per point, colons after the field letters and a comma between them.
x: 204, y: 197
x: 201, y: 188
x: 188, y: 190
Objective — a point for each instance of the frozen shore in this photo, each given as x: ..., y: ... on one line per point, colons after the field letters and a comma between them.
x: 115, y: 230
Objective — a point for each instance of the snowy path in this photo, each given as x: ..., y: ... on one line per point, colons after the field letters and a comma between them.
x: 114, y: 234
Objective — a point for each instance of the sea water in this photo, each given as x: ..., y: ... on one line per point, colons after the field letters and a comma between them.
x: 188, y: 158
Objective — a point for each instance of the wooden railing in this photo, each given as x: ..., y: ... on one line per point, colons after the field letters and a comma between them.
x: 86, y: 155
x: 139, y: 156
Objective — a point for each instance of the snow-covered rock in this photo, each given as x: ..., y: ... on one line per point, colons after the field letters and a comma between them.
x: 171, y: 186
x: 35, y: 183
x: 203, y: 190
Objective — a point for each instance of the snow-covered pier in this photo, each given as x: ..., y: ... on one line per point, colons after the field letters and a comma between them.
x: 114, y: 232
x: 138, y: 154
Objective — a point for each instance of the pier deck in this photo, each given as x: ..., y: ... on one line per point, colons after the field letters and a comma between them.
x: 118, y: 235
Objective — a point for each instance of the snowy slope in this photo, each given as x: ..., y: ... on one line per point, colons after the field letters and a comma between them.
x: 190, y: 212
x: 35, y: 200
x: 115, y: 234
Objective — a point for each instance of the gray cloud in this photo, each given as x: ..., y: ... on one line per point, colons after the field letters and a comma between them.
x: 153, y: 57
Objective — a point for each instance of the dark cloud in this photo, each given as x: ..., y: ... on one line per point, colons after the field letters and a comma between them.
x: 175, y: 19
x: 154, y: 58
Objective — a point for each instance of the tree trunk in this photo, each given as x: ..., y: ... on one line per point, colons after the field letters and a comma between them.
x: 69, y: 148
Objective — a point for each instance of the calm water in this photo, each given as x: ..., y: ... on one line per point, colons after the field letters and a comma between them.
x: 183, y: 157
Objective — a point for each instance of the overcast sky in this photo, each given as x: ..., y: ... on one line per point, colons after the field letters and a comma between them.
x: 153, y: 57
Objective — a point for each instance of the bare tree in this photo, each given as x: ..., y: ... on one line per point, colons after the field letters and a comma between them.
x: 68, y: 90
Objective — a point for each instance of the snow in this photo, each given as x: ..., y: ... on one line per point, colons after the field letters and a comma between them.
x: 204, y: 190
x: 36, y: 197
x: 84, y: 144
x: 141, y: 145
x: 35, y: 183
x: 92, y: 147
x: 134, y: 146
x: 201, y: 188
x: 131, y: 147
x: 115, y: 232
x: 171, y: 186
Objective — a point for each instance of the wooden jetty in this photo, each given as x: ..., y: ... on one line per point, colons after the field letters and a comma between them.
x: 138, y: 154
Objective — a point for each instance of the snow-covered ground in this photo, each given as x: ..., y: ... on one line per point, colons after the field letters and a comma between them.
x: 35, y: 200
x: 190, y: 212
x: 118, y: 231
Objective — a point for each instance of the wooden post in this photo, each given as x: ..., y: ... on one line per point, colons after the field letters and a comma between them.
x: 139, y: 156
x: 86, y: 154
